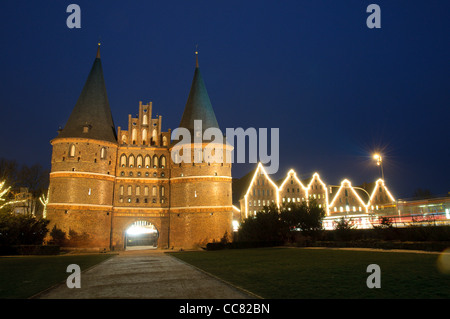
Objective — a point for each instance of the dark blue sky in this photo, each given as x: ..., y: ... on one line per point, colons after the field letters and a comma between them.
x: 337, y: 90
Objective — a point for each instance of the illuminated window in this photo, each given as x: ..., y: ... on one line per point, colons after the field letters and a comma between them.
x: 154, y: 191
x: 72, y: 150
x: 163, y: 161
x: 146, y: 191
x: 139, y: 161
x: 154, y: 136
x: 131, y: 161
x: 134, y: 135
x: 103, y: 153
x: 121, y: 190
x: 138, y: 190
x: 123, y: 160
x: 129, y: 188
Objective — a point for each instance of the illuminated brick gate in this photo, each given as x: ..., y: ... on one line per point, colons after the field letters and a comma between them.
x: 103, y: 181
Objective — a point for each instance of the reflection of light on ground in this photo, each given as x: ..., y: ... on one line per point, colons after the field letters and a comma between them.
x: 443, y: 262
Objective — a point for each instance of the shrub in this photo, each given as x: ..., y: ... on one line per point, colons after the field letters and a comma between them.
x: 18, y: 229
x: 284, y: 224
x: 343, y: 229
x: 58, y: 236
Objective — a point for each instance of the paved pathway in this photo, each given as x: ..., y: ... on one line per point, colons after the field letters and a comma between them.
x: 145, y: 274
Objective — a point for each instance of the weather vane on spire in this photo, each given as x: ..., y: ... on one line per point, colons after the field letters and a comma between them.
x: 98, y: 48
x: 196, y: 55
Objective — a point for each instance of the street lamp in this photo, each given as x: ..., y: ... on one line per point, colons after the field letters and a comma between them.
x: 379, y: 160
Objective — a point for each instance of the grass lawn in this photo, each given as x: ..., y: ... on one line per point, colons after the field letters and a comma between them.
x: 295, y: 273
x: 25, y: 276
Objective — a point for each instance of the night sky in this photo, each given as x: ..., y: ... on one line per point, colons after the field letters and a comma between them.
x: 337, y: 90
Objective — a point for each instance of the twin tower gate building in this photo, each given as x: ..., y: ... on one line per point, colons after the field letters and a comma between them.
x: 104, y: 180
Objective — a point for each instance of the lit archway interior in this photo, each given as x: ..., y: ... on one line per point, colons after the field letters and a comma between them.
x: 141, y: 235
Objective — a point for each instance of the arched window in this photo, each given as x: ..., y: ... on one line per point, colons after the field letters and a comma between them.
x: 103, y: 153
x: 129, y: 190
x: 164, y: 140
x: 123, y: 160
x: 139, y: 161
x: 162, y: 191
x: 154, y: 191
x: 138, y: 190
x: 131, y: 161
x: 124, y: 139
x: 121, y: 190
x: 145, y: 119
x: 72, y: 150
x: 147, y: 161
x: 144, y: 136
x: 155, y: 161
x: 154, y: 136
x: 146, y: 191
x: 162, y: 161
x: 134, y: 136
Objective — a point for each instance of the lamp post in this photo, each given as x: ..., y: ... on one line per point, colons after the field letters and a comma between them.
x: 379, y: 160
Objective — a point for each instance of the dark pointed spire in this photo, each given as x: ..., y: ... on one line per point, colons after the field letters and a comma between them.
x: 91, y: 117
x: 198, y: 105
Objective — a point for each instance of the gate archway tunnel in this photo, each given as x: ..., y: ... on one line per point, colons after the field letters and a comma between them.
x: 141, y: 235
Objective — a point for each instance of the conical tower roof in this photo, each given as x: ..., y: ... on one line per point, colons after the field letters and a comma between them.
x: 91, y: 117
x: 198, y: 105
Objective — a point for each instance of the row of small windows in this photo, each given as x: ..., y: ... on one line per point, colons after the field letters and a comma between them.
x: 144, y: 137
x: 73, y: 151
x: 347, y: 208
x: 268, y: 202
x: 264, y: 192
x: 264, y: 202
x: 140, y: 161
x: 142, y: 192
x: 292, y: 199
x: 145, y: 200
x: 139, y: 174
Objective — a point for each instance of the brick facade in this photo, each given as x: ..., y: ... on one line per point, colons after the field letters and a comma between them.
x: 99, y: 188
